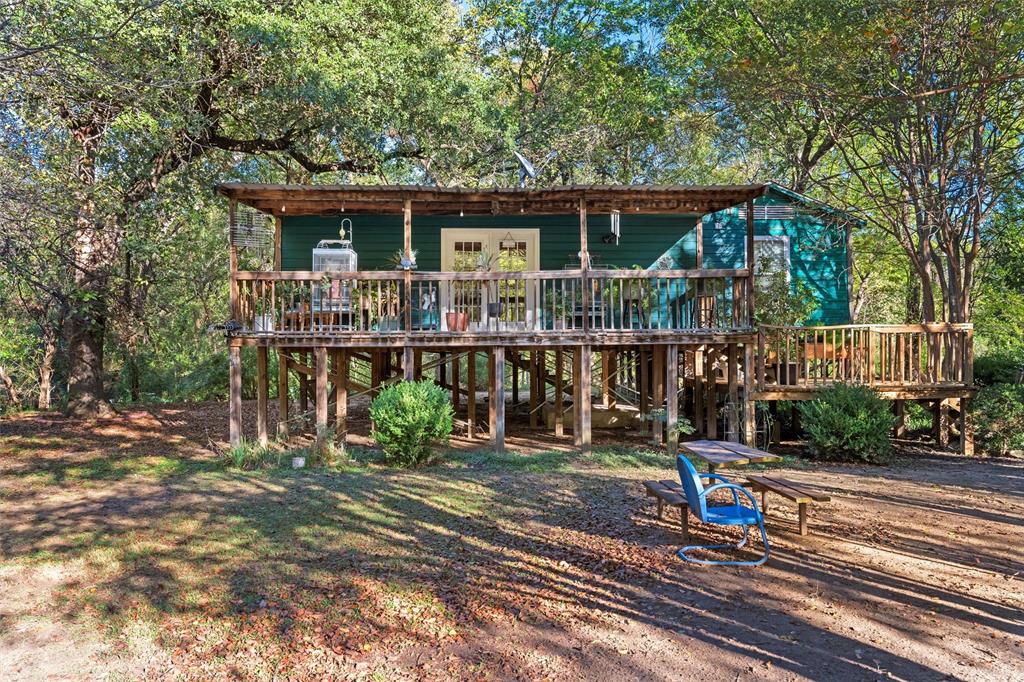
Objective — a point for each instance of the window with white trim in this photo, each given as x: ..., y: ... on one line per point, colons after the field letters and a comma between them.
x: 771, y: 256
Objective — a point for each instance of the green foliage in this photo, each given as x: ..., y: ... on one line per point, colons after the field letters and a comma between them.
x: 409, y: 420
x: 849, y: 423
x: 248, y: 456
x: 780, y: 302
x: 1000, y: 367
x: 998, y: 415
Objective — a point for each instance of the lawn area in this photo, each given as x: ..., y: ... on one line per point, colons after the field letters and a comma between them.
x: 128, y: 550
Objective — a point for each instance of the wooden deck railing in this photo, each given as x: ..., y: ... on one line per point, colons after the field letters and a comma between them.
x: 881, y: 356
x: 291, y: 304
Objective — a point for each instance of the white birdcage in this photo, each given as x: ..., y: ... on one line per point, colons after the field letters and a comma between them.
x: 332, y: 256
x: 252, y: 233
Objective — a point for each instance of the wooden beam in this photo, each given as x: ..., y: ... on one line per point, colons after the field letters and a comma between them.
x: 750, y: 262
x: 320, y: 358
x: 234, y: 396
x: 645, y: 391
x: 899, y: 409
x: 499, y: 399
x: 341, y: 396
x: 699, y: 238
x: 277, y: 242
x: 492, y: 396
x: 584, y: 248
x: 408, y: 364
x: 533, y: 377
x: 262, y: 396
x: 577, y: 399
x: 749, y: 406
x: 613, y: 369
x: 304, y: 386
x: 966, y: 428
x: 699, y: 359
x: 455, y: 381
x: 559, y: 388
x: 585, y: 372
x: 711, y: 401
x: 734, y: 397
x: 672, y: 399
x: 282, y: 394
x: 658, y: 390
x: 606, y: 398
x: 471, y: 394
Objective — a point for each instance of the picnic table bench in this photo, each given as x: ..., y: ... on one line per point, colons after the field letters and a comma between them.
x: 797, y: 492
x: 724, y: 453
x: 671, y: 493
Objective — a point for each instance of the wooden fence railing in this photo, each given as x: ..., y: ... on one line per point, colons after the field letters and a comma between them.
x: 884, y: 356
x: 548, y: 301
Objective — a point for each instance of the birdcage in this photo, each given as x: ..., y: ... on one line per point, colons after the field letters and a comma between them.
x: 334, y: 256
x: 252, y: 233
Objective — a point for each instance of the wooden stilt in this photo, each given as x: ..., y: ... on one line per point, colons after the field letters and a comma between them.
x: 672, y: 399
x: 417, y: 364
x: 699, y: 360
x: 304, y: 386
x: 645, y: 389
x: 734, y: 395
x: 376, y: 372
x: 606, y: 394
x: 341, y: 396
x: 940, y: 422
x: 455, y: 381
x: 577, y: 399
x: 711, y: 402
x: 532, y: 377
x: 234, y: 396
x: 282, y: 394
x: 613, y: 368
x: 658, y: 402
x: 559, y: 389
x: 585, y: 369
x: 749, y: 406
x: 514, y: 356
x: 320, y: 355
x: 899, y: 409
x: 492, y: 397
x: 442, y: 369
x: 966, y: 428
x: 408, y: 364
x: 499, y: 399
x: 262, y: 395
x: 773, y: 410
x: 471, y: 394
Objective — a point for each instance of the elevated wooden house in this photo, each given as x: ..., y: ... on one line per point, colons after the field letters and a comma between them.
x: 638, y: 302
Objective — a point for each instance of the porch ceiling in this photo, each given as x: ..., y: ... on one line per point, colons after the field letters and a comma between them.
x: 386, y: 199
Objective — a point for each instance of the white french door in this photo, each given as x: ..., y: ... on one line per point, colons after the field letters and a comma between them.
x: 490, y: 304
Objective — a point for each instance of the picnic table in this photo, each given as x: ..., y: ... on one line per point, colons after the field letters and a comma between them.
x: 724, y: 453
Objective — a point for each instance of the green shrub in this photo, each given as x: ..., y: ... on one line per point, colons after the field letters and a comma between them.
x: 999, y: 367
x: 849, y: 423
x: 409, y: 420
x: 999, y: 418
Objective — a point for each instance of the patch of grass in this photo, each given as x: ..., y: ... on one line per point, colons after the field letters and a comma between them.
x: 542, y: 462
x: 56, y: 471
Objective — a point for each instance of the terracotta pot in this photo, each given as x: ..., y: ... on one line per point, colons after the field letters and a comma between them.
x: 451, y: 320
x: 462, y: 321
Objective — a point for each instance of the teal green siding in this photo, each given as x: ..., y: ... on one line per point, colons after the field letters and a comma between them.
x: 817, y: 243
x: 645, y: 239
x: 817, y: 252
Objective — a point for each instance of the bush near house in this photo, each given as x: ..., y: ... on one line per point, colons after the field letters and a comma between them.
x: 849, y: 423
x: 999, y: 419
x: 410, y: 420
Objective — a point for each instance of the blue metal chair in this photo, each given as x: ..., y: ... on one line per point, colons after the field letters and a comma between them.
x: 734, y: 514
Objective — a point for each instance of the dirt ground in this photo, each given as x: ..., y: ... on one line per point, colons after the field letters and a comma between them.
x: 128, y: 551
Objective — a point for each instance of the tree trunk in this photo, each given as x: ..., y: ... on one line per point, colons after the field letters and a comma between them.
x: 8, y: 384
x: 43, y: 401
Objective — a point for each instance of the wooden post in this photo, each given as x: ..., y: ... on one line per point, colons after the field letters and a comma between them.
x: 734, y: 398
x: 645, y: 391
x: 514, y: 357
x: 605, y: 380
x: 658, y: 402
x: 584, y: 265
x: 407, y: 279
x: 749, y: 405
x: 499, y: 399
x: 492, y: 397
x: 408, y: 364
x: 262, y: 395
x: 711, y: 403
x: 304, y: 386
x: 417, y: 362
x: 750, y: 262
x: 699, y: 360
x: 699, y: 237
x: 320, y: 355
x: 277, y: 242
x: 341, y: 396
x: 966, y: 428
x: 559, y: 388
x: 899, y: 409
x: 940, y: 422
x: 471, y: 394
x: 577, y: 398
x: 585, y: 370
x: 672, y: 399
x: 534, y: 387
x: 613, y: 369
x: 455, y: 381
x: 376, y: 370
x: 282, y: 394
x: 234, y: 396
